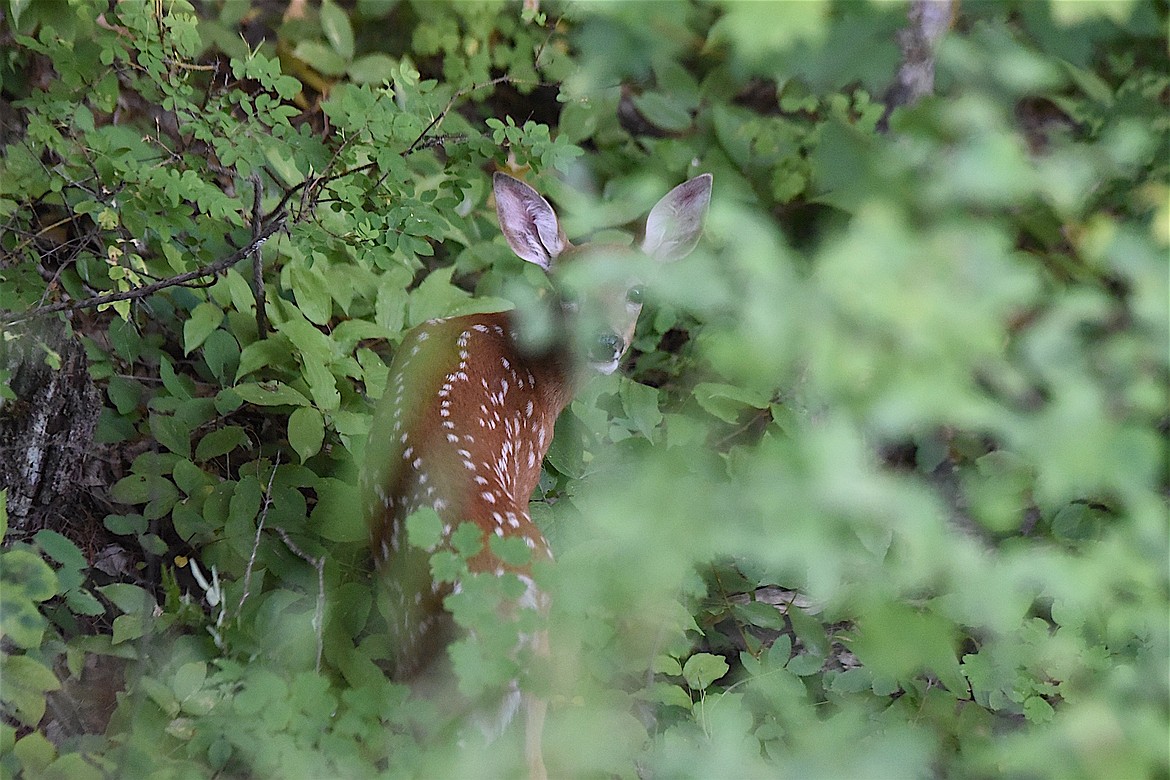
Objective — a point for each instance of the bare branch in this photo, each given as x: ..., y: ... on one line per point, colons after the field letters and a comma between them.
x: 212, y: 269
x: 259, y: 530
x: 317, y: 563
x: 929, y: 21
x: 258, y: 260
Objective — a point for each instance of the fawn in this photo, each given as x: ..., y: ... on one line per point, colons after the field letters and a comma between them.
x: 468, y: 416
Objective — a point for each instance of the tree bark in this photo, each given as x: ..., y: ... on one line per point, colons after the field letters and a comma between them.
x: 46, y: 432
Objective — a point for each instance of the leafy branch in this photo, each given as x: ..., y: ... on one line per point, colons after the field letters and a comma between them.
x: 266, y: 232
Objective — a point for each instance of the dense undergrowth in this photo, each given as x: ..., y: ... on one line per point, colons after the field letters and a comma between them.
x: 883, y: 491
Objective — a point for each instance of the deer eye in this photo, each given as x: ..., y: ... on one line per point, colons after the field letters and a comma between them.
x: 634, y: 294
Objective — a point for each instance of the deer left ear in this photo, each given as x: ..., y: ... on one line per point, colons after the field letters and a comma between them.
x: 528, y: 222
x: 676, y: 222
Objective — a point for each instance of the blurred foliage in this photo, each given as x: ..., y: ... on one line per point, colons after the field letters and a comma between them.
x: 885, y: 491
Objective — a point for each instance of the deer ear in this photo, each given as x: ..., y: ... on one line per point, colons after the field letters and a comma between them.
x: 528, y: 222
x: 676, y: 222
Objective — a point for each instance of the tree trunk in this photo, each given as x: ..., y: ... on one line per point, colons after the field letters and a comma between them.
x: 46, y: 431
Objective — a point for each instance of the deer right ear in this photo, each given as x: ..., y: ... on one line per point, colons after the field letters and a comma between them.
x: 676, y: 222
x: 528, y: 222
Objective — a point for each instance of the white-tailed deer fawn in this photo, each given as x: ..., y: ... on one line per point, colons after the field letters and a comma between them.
x: 468, y: 416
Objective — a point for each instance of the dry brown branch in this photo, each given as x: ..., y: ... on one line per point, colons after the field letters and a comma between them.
x: 273, y: 226
x: 258, y: 261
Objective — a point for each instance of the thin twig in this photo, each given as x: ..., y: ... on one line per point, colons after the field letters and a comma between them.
x: 451, y: 104
x: 218, y: 266
x: 317, y: 563
x: 259, y: 530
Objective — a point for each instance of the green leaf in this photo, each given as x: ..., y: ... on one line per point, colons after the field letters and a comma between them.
x: 83, y: 603
x: 882, y: 644
x: 60, y: 549
x: 337, y: 516
x: 780, y: 651
x: 245, y: 502
x: 810, y: 631
x: 307, y: 339
x: 221, y: 352
x: 804, y: 664
x: 1077, y: 520
x: 189, y: 680
x: 160, y: 694
x: 178, y: 386
x: 727, y: 402
x: 190, y: 478
x: 512, y: 550
x: 34, y: 753
x: 372, y: 69
x: 306, y: 432
x: 663, y: 111
x: 25, y: 683
x: 17, y: 7
x: 666, y: 693
x: 172, y: 432
x: 436, y: 296
x: 163, y: 496
x: 263, y: 689
x: 124, y: 525
x: 666, y: 664
x: 322, y: 384
x: 374, y: 372
x: 320, y: 57
x: 189, y: 523
x: 852, y: 681
x: 204, y: 319
x: 270, y: 352
x: 579, y: 120
x: 130, y: 599
x: 702, y: 669
x: 138, y: 488
x: 25, y: 671
x: 641, y: 406
x: 125, y: 393
x: 447, y: 566
x: 153, y: 544
x: 270, y: 394
x: 218, y: 753
x: 227, y: 401
x: 335, y: 24
x: 424, y: 529
x: 129, y: 627
x: 567, y: 454
x: 467, y: 540
x: 24, y: 572
x: 757, y: 613
x: 283, y: 164
x: 311, y: 289
x: 21, y: 623
x: 220, y: 442
x: 1037, y: 710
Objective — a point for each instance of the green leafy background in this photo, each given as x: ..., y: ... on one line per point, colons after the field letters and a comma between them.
x: 882, y: 493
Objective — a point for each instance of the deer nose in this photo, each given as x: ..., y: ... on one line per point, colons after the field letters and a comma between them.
x: 607, y: 347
